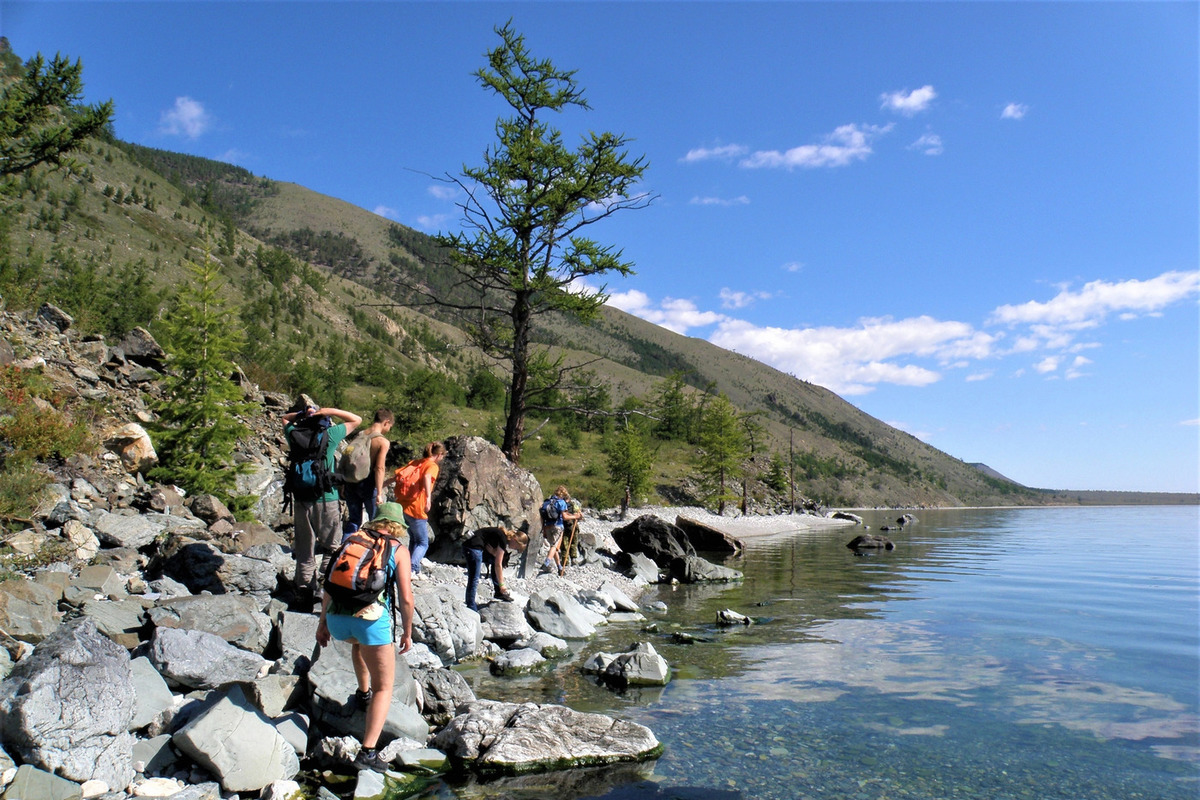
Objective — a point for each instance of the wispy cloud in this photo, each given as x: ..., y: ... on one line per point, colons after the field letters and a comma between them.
x: 442, y: 191
x: 930, y: 144
x: 186, y: 118
x: 917, y: 351
x: 740, y: 200
x: 1014, y: 111
x: 847, y: 144
x: 908, y: 103
x: 388, y: 212
x: 793, y: 266
x: 733, y: 299
x: 726, y: 152
x: 1071, y: 311
x: 1191, y: 422
x: 432, y: 222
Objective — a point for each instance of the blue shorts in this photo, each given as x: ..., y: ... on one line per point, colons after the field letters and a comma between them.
x: 364, y: 631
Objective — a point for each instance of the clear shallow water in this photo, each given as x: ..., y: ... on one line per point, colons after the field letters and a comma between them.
x: 1013, y: 653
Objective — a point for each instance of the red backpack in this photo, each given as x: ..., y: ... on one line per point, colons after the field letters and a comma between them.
x: 408, y: 481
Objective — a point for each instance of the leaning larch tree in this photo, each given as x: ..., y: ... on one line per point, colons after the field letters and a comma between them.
x: 521, y: 252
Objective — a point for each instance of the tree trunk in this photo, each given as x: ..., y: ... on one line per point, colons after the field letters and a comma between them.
x: 514, y: 426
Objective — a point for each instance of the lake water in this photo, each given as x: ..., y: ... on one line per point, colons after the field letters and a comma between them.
x: 999, y: 653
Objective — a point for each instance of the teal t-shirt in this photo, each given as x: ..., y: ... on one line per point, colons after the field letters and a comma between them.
x: 336, y: 434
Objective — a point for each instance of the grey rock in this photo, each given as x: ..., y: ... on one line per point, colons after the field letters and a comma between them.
x: 298, y: 639
x: 559, y: 614
x: 294, y: 728
x: 209, y: 508
x: 637, y: 566
x: 640, y: 666
x: 119, y: 620
x: 442, y: 621
x: 694, y: 569
x: 655, y: 538
x: 139, y: 346
x: 234, y: 618
x: 202, y: 660
x: 521, y: 661
x: 727, y: 617
x: 155, y: 756
x: 200, y: 791
x: 32, y: 783
x: 67, y: 707
x: 28, y: 610
x: 549, y: 646
x: 706, y: 538
x: 477, y: 487
x: 272, y: 694
x: 870, y: 541
x: 506, y: 738
x: 152, y: 694
x: 201, y: 566
x: 621, y: 601
x: 166, y: 588
x: 333, y: 684
x: 82, y: 543
x: 55, y: 316
x: 238, y: 745
x: 124, y: 530
x: 504, y: 622
x: 442, y: 691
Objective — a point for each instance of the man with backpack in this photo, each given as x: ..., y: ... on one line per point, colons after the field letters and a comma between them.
x: 362, y: 470
x: 312, y: 439
x: 554, y: 513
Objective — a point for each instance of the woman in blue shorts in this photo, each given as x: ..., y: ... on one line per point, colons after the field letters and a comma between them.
x: 369, y: 632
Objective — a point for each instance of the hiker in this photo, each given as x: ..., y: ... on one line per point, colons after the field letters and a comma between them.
x: 554, y: 512
x: 495, y: 542
x: 316, y: 507
x: 363, y: 496
x: 571, y: 518
x: 414, y: 490
x: 370, y: 633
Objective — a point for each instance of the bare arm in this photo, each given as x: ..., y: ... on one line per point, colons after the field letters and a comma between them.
x: 380, y: 466
x: 404, y: 599
x: 350, y: 419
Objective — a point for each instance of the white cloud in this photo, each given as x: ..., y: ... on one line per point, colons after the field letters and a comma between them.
x: 443, y: 192
x: 1087, y: 308
x: 847, y: 144
x: 722, y: 153
x: 930, y: 144
x: 432, y: 222
x: 187, y: 118
x: 386, y: 211
x: 1047, y: 364
x: 732, y: 299
x: 908, y: 103
x: 1076, y: 368
x: 793, y: 266
x: 234, y: 156
x: 1191, y: 422
x: 924, y: 436
x: 980, y: 376
x: 1014, y: 111
x: 741, y: 200
x: 674, y: 314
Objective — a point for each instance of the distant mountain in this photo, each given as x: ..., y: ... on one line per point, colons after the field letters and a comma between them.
x: 135, y: 205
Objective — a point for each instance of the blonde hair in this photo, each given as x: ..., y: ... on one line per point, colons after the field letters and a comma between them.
x: 389, y: 527
x: 519, y: 539
x: 562, y: 492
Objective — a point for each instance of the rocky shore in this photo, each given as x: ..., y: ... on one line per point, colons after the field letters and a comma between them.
x: 152, y: 646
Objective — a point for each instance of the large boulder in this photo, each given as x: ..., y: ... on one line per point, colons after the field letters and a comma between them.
x: 235, y: 618
x: 202, y: 566
x: 68, y: 707
x: 200, y: 660
x: 507, y: 738
x: 442, y: 621
x: 442, y: 692
x: 504, y: 622
x: 478, y: 487
x: 133, y: 445
x: 655, y: 538
x: 334, y: 710
x: 140, y: 347
x: 641, y: 665
x: 238, y: 744
x: 870, y: 541
x: 707, y: 539
x: 694, y: 569
x: 560, y: 614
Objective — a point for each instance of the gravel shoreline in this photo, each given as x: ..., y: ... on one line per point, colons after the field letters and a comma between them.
x: 592, y: 576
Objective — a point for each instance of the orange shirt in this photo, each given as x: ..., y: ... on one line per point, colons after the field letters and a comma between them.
x: 416, y: 508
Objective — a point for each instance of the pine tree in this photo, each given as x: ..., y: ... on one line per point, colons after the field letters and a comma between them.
x: 198, y: 428
x: 630, y: 463
x: 723, y: 445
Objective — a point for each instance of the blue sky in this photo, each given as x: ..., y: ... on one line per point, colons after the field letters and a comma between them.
x: 977, y: 222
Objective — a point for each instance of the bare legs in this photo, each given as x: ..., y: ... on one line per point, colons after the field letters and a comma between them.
x: 375, y: 669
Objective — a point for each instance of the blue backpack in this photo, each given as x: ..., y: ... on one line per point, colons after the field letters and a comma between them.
x: 550, y: 511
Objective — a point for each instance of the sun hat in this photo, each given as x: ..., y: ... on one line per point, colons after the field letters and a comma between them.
x: 392, y: 512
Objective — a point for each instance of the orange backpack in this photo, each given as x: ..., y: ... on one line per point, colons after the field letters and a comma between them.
x: 408, y: 481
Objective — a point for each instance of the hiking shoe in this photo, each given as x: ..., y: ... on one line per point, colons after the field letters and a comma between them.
x: 562, y: 571
x: 370, y: 759
x: 363, y: 699
x: 505, y: 596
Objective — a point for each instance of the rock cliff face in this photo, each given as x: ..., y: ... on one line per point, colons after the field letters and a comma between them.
x: 147, y: 646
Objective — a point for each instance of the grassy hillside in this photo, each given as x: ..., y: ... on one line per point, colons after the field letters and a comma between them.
x: 315, y: 280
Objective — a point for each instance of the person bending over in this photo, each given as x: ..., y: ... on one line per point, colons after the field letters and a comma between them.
x: 493, y: 542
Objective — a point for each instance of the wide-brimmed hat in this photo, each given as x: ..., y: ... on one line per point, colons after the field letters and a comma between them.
x: 392, y: 512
